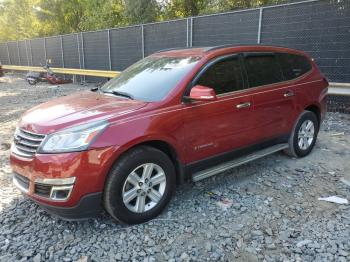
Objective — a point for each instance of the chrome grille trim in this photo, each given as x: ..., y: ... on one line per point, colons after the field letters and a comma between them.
x: 29, y: 143
x: 29, y: 137
x: 32, y: 134
x: 27, y: 149
x: 26, y: 143
x: 21, y: 182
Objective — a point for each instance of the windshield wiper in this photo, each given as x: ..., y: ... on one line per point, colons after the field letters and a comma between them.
x: 118, y: 93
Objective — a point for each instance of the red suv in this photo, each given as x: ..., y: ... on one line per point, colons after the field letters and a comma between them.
x: 175, y: 116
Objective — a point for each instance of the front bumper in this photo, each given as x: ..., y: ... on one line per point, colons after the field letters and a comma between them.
x: 55, y: 189
x: 37, y: 176
x: 88, y: 206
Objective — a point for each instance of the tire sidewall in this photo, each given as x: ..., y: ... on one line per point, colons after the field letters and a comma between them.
x: 113, y: 199
x: 32, y: 82
x: 307, y: 115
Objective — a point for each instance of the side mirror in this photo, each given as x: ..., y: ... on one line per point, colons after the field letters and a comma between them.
x: 202, y: 93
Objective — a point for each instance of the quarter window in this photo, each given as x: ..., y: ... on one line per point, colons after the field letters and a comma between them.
x: 293, y: 65
x: 224, y: 76
x: 262, y: 69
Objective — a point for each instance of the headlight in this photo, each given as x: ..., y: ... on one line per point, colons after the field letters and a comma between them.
x: 73, y: 139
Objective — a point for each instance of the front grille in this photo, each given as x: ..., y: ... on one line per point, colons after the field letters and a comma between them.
x: 42, y: 190
x: 26, y: 143
x: 22, y: 181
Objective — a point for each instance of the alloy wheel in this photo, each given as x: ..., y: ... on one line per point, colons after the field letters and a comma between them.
x: 306, y: 134
x: 144, y: 187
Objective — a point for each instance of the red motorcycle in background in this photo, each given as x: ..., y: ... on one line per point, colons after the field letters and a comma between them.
x: 49, y: 76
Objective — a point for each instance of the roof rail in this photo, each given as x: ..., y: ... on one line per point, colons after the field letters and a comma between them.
x: 205, y: 48
x: 236, y: 45
x: 170, y: 49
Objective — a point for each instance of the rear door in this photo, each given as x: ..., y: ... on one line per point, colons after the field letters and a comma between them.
x: 215, y: 127
x: 274, y: 100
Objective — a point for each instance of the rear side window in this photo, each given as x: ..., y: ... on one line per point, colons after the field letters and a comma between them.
x: 293, y: 65
x: 224, y: 76
x: 262, y: 69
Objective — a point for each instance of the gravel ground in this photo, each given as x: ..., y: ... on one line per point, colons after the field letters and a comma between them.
x: 272, y: 212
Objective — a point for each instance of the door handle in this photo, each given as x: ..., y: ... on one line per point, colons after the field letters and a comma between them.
x: 288, y: 94
x: 243, y: 105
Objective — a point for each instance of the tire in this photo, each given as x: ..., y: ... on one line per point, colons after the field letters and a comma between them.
x: 32, y: 82
x: 301, y: 141
x: 120, y: 182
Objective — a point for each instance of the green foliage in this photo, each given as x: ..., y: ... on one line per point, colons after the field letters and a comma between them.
x: 184, y: 8
x: 103, y: 14
x: 66, y: 16
x: 141, y: 11
x: 20, y: 19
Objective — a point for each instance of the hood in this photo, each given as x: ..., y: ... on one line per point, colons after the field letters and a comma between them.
x: 76, y: 109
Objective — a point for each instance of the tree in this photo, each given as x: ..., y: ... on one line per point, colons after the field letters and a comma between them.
x: 183, y: 8
x: 229, y: 5
x: 61, y: 16
x: 18, y: 20
x: 103, y: 14
x: 141, y: 11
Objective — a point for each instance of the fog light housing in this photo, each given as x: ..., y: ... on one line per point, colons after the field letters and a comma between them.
x: 60, y: 193
x: 56, y: 189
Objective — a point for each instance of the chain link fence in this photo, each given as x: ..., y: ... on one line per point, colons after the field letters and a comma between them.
x: 318, y: 27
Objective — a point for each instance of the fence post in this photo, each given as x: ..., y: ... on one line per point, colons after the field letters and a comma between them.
x: 259, y: 26
x: 82, y: 49
x: 8, y: 53
x: 45, y: 50
x: 78, y: 45
x: 25, y: 45
x: 78, y: 51
x: 142, y: 41
x: 83, y: 52
x: 62, y: 54
x: 31, y: 53
x: 191, y: 35
x: 19, y: 57
x: 187, y: 32
x: 109, y: 49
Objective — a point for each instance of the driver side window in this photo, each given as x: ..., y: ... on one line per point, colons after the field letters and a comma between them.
x: 224, y: 76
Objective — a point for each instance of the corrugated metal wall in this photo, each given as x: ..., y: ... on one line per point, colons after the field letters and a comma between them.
x: 126, y: 46
x: 321, y: 28
x: 165, y: 35
x: 234, y: 28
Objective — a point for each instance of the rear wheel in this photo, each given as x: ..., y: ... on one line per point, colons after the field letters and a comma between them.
x: 304, y: 135
x: 32, y: 82
x: 139, y: 185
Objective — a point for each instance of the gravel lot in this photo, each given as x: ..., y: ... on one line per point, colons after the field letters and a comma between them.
x: 275, y: 214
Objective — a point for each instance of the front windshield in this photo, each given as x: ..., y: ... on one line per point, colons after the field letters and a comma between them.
x: 150, y: 79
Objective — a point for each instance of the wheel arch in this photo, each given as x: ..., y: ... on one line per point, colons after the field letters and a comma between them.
x: 316, y: 110
x: 165, y: 147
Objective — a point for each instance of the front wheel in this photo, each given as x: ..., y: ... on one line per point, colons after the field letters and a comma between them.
x: 139, y: 185
x: 304, y: 135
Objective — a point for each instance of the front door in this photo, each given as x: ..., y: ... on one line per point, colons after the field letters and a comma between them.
x: 216, y: 127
